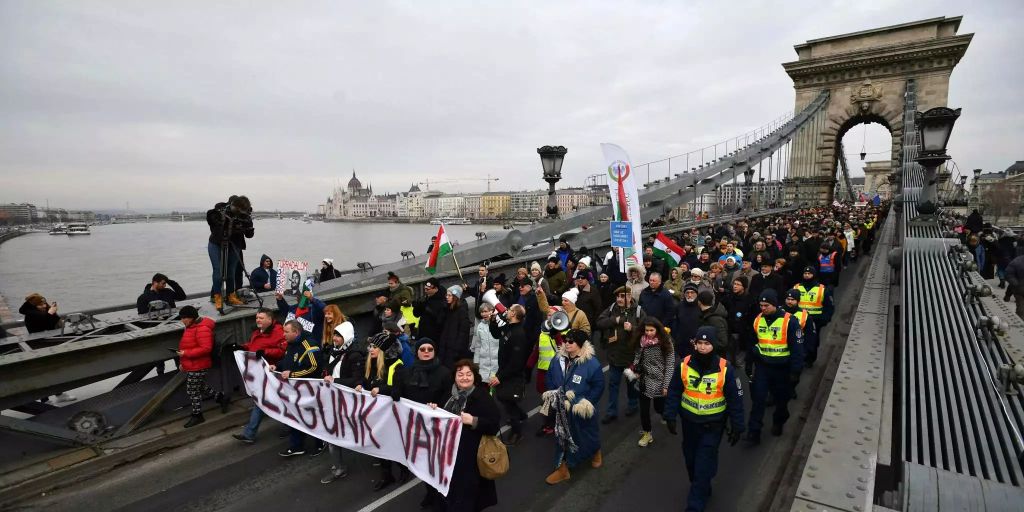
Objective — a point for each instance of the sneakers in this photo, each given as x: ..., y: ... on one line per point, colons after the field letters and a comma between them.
x: 291, y: 453
x: 194, y: 420
x: 318, y: 449
x: 234, y: 300
x: 242, y: 438
x: 335, y: 474
x: 218, y: 302
x: 645, y: 439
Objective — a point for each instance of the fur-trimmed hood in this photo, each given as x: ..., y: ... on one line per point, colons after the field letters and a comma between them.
x: 586, y: 352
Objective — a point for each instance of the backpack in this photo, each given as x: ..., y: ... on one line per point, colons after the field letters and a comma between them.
x: 492, y: 458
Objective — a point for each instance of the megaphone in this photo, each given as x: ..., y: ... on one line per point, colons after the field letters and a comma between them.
x: 491, y: 297
x: 558, y: 321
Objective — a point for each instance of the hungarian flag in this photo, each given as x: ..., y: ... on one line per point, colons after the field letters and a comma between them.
x: 303, y: 306
x: 442, y: 247
x: 667, y: 250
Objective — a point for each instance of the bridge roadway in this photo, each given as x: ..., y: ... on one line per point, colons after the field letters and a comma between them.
x: 218, y: 473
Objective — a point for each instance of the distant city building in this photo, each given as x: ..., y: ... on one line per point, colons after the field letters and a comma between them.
x: 755, y: 195
x: 495, y: 205
x: 472, y: 205
x: 24, y: 213
x: 570, y: 199
x: 999, y: 196
x: 528, y: 205
x: 62, y: 215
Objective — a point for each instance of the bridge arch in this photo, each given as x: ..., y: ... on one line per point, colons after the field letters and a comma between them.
x: 866, y: 74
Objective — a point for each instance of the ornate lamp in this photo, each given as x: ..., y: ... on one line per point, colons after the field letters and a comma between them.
x: 551, y: 159
x: 935, y: 126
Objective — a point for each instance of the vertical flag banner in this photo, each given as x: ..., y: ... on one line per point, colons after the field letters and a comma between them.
x: 625, y: 201
x: 441, y: 248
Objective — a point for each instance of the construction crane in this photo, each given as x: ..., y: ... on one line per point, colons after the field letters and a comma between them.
x: 488, y: 179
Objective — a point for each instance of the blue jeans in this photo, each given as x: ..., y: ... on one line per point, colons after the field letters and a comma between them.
x: 229, y: 273
x: 700, y: 449
x: 255, y: 418
x: 632, y: 395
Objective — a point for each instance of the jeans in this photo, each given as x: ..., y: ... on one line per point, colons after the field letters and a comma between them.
x: 255, y: 418
x: 645, y: 410
x: 632, y: 395
x: 229, y: 273
x: 700, y: 449
x: 297, y: 440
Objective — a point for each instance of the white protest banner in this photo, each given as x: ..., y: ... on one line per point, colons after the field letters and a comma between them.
x: 625, y: 202
x: 423, y: 439
x: 290, y: 275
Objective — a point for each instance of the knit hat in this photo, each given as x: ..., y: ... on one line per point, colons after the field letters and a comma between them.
x: 455, y: 290
x: 329, y: 261
x: 696, y: 272
x: 434, y: 282
x: 707, y: 333
x: 581, y: 274
x: 188, y: 312
x: 391, y: 326
x: 382, y: 340
x: 690, y: 287
x: 793, y: 294
x: 571, y: 295
x: 585, y: 261
x: 526, y: 281
x: 425, y: 341
x: 500, y: 279
x: 535, y: 266
x: 770, y: 296
x: 346, y: 331
x: 810, y: 269
x: 706, y: 298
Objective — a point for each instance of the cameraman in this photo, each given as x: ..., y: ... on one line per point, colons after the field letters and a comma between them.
x: 230, y: 224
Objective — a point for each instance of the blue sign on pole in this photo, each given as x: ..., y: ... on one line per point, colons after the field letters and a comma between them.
x: 622, y: 233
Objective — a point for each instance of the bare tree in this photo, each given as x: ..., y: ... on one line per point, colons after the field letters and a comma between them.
x: 1001, y: 201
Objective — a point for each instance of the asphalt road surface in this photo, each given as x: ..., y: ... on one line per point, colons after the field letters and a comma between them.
x: 218, y: 473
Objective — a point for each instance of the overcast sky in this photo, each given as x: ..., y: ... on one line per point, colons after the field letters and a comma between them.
x: 180, y: 104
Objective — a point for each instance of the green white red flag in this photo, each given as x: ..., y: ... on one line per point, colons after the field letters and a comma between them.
x: 442, y: 247
x: 668, y: 250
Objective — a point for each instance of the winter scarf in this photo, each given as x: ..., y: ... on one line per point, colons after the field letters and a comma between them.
x: 648, y: 341
x: 457, y: 402
x: 421, y: 372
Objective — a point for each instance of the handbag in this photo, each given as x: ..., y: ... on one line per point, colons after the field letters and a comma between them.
x: 492, y: 458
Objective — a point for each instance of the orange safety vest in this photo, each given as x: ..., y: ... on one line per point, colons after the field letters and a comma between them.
x: 812, y: 300
x: 827, y: 264
x: 772, y: 340
x: 703, y: 395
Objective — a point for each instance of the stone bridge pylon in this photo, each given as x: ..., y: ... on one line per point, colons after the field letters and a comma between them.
x: 866, y: 74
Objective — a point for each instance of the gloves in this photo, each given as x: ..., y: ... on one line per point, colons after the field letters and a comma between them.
x: 734, y: 437
x: 260, y: 354
x: 629, y: 374
x: 794, y: 378
x: 671, y: 426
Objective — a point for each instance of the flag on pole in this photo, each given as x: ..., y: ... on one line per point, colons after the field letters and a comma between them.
x: 668, y: 250
x: 625, y: 201
x: 442, y: 247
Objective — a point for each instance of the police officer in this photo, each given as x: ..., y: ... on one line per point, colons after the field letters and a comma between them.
x: 707, y: 389
x: 778, y: 359
x: 816, y: 298
x: 811, y: 341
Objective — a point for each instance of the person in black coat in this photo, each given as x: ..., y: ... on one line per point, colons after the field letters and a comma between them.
x: 588, y: 300
x: 264, y: 277
x: 468, y: 491
x: 741, y: 308
x: 426, y: 381
x: 534, y: 319
x: 687, y: 318
x: 431, y: 310
x: 161, y: 288
x: 656, y: 301
x: 39, y: 315
x: 767, y: 279
x: 456, y: 334
x: 509, y: 382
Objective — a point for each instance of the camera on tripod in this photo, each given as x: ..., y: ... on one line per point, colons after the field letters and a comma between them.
x: 236, y: 217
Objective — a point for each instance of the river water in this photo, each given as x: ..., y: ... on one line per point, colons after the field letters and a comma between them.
x: 114, y: 264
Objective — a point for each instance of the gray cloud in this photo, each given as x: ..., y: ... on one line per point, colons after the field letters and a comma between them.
x: 180, y: 104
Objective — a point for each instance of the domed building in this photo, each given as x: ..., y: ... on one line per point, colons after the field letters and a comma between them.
x: 355, y: 200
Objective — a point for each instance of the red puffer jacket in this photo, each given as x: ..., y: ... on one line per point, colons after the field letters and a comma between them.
x: 196, y: 345
x: 272, y: 343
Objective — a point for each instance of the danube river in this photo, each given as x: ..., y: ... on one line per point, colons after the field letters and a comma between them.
x: 114, y: 264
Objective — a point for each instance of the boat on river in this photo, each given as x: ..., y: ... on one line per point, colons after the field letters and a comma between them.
x: 59, y: 229
x: 78, y: 229
x: 451, y: 221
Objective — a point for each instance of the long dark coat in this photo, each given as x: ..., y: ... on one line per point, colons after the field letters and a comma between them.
x: 468, y: 492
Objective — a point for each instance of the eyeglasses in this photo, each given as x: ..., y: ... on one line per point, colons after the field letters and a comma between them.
x: 426, y: 349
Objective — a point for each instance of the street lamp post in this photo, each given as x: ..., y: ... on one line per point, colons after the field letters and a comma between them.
x: 551, y: 159
x: 935, y: 127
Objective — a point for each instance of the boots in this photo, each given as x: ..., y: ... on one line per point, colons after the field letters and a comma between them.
x: 218, y: 301
x: 234, y: 300
x: 195, y: 420
x: 559, y: 475
x: 597, y: 461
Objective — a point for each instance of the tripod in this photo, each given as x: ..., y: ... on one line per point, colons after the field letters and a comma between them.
x: 226, y: 250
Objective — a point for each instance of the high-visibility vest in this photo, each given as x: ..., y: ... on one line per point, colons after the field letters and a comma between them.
x: 827, y: 264
x: 703, y: 395
x: 546, y: 350
x: 392, y: 370
x: 410, y: 319
x: 772, y: 340
x: 813, y: 299
x: 802, y: 316
x: 870, y: 224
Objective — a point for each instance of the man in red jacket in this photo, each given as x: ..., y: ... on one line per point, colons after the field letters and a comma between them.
x: 267, y: 341
x: 195, y: 351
